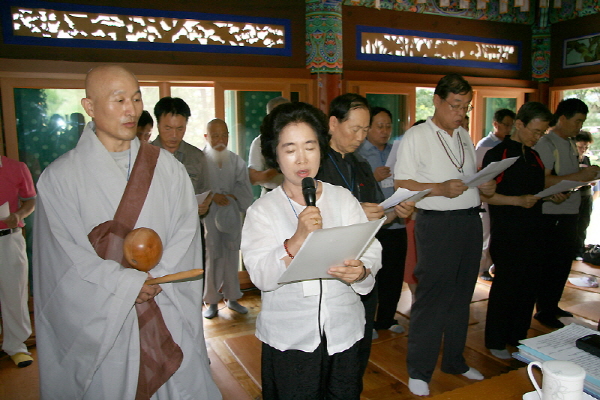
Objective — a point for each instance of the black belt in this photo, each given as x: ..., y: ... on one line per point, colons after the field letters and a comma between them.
x: 466, y: 211
x: 4, y: 232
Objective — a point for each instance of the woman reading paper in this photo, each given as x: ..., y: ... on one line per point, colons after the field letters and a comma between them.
x: 310, y: 329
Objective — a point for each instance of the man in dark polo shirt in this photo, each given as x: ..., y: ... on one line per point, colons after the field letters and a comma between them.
x: 349, y: 121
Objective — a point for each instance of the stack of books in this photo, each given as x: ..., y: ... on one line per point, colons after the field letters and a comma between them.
x: 560, y: 345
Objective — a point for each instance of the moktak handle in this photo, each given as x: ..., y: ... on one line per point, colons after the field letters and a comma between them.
x: 192, y: 273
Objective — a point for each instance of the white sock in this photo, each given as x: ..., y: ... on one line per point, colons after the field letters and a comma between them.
x: 396, y: 328
x: 472, y: 373
x: 418, y: 387
x: 375, y: 335
x: 503, y: 354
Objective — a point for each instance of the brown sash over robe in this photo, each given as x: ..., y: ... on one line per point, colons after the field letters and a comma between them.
x: 160, y: 356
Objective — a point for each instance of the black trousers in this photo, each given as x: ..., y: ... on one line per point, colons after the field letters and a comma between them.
x: 448, y: 252
x: 585, y: 213
x: 369, y: 301
x: 390, y: 276
x: 560, y: 245
x: 517, y: 252
x: 295, y: 374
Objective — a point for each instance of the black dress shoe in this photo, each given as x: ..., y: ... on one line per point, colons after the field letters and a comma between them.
x: 562, y: 313
x: 550, y: 321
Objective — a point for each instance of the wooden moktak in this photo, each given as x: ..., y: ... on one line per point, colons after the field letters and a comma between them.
x: 143, y: 250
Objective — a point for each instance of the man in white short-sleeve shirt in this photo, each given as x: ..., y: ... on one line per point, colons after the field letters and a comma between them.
x: 438, y: 155
x: 268, y: 178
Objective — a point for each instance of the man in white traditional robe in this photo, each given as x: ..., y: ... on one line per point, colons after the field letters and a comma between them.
x: 232, y: 195
x: 86, y: 323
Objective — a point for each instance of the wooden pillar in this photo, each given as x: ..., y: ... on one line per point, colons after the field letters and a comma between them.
x: 324, y: 48
x: 329, y: 86
x: 544, y: 93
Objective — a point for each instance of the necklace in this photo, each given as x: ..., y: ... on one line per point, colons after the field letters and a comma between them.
x: 458, y: 163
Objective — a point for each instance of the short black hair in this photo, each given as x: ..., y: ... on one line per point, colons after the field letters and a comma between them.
x: 377, y: 110
x: 533, y: 110
x: 341, y: 106
x: 172, y: 105
x: 584, y: 136
x: 452, y: 83
x: 570, y: 107
x: 502, y: 113
x: 145, y: 119
x: 274, y: 102
x: 284, y: 115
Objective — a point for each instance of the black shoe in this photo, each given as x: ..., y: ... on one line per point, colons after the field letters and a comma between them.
x: 562, y: 313
x: 549, y: 321
x: 485, y: 276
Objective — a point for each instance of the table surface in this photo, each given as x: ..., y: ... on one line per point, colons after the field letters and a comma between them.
x: 509, y: 386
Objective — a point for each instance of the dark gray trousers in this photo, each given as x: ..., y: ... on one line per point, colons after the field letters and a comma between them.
x: 448, y: 252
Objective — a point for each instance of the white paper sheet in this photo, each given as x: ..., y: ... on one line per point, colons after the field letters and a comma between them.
x: 560, y: 345
x: 325, y: 248
x: 402, y: 194
x: 201, y: 197
x: 4, y: 211
x: 490, y: 172
x: 562, y: 186
x: 391, y: 161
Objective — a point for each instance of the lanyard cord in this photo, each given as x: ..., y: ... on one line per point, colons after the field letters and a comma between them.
x: 349, y: 186
x: 290, y: 201
x: 321, y: 333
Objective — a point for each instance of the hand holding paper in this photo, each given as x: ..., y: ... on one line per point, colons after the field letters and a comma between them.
x: 562, y: 186
x: 331, y: 247
x: 352, y: 271
x: 202, y: 196
x: 403, y: 195
x: 451, y: 188
x: 203, y: 200
x: 490, y: 172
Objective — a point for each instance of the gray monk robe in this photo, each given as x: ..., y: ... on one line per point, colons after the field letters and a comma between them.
x: 86, y: 323
x: 223, y: 225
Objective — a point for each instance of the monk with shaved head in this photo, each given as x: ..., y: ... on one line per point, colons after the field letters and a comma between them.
x: 92, y: 310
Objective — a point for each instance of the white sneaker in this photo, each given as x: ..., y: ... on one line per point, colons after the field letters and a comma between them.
x: 211, y: 311
x: 235, y: 306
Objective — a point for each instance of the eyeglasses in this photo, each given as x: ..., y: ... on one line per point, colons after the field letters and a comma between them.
x: 535, y: 133
x: 458, y: 107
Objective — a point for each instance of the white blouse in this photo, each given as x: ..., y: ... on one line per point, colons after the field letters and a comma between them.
x: 289, y: 317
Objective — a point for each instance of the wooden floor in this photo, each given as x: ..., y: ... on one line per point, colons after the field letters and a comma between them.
x: 236, y: 368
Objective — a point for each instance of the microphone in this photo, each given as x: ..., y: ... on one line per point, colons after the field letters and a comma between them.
x: 309, y: 192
